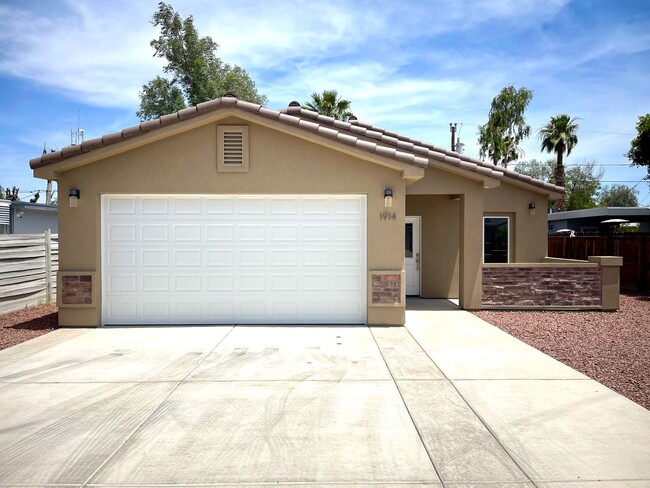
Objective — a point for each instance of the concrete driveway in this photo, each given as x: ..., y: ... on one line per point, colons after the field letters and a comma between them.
x: 447, y: 400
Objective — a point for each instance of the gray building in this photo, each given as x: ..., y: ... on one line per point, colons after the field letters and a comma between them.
x: 27, y: 218
x: 595, y: 220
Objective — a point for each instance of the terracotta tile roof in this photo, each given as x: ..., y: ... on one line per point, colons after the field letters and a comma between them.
x: 363, y: 136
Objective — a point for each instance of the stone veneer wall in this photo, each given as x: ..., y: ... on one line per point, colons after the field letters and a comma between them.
x: 386, y: 288
x: 512, y: 286
x: 77, y: 290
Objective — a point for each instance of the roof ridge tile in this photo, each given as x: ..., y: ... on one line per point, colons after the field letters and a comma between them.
x: 400, y: 147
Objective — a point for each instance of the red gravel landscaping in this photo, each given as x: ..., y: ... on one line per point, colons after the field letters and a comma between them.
x: 610, y: 347
x: 23, y: 325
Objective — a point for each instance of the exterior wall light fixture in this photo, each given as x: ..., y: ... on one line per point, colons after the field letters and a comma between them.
x: 531, y: 208
x: 388, y: 197
x: 74, y: 196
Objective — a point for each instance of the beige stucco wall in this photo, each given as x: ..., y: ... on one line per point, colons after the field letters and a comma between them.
x: 528, y: 243
x: 452, y: 208
x: 186, y: 164
x: 466, y: 285
x: 440, y: 245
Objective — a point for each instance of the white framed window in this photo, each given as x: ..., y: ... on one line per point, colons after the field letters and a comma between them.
x: 496, y: 239
x: 232, y: 150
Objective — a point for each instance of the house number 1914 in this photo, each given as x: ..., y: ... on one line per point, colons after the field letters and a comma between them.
x: 387, y: 216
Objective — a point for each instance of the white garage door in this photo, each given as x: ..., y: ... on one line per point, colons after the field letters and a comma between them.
x: 233, y: 259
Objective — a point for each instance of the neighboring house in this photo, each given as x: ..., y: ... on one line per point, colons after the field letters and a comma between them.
x: 5, y: 217
x: 27, y: 218
x: 229, y: 212
x: 594, y: 220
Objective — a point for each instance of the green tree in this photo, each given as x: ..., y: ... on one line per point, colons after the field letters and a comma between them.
x: 582, y: 181
x: 196, y: 73
x: 618, y: 196
x: 540, y: 170
x: 159, y: 97
x: 582, y: 185
x: 506, y: 126
x: 639, y: 153
x: 329, y: 103
x: 559, y: 136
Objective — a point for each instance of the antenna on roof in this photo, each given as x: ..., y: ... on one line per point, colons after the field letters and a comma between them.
x: 77, y: 136
x: 460, y: 147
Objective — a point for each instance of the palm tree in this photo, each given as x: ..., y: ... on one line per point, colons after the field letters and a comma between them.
x: 330, y: 104
x: 559, y: 136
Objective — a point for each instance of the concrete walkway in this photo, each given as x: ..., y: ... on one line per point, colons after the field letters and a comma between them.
x: 447, y: 401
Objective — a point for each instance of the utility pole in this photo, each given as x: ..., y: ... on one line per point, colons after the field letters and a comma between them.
x: 452, y: 128
x: 48, y: 191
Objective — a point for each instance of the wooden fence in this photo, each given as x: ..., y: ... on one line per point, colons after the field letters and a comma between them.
x: 633, y: 248
x: 28, y: 269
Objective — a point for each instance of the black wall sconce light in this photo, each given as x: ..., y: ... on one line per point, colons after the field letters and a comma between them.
x: 388, y: 197
x: 74, y: 196
x: 531, y: 208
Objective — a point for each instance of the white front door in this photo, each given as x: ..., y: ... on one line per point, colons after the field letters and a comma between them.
x: 412, y: 255
x: 234, y: 259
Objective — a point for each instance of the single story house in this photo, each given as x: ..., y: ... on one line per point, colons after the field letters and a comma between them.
x: 18, y: 217
x: 229, y: 212
x: 599, y: 220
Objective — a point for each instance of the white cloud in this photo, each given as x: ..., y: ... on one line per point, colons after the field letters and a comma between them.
x: 97, y: 54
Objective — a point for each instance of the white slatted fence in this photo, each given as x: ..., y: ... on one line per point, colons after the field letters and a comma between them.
x: 28, y: 269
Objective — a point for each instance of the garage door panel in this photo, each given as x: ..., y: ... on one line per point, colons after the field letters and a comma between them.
x: 186, y: 206
x: 251, y: 206
x: 154, y: 283
x: 122, y: 258
x: 252, y: 232
x: 154, y: 206
x: 220, y: 257
x: 251, y: 257
x: 154, y: 257
x: 247, y: 283
x: 187, y: 257
x: 284, y: 232
x: 122, y: 282
x: 121, y: 206
x: 284, y: 282
x: 122, y: 233
x: 220, y: 283
x: 233, y: 259
x: 154, y: 232
x: 187, y: 232
x: 219, y: 233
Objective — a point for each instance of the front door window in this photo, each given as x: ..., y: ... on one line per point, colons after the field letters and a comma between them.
x: 408, y: 248
x: 412, y: 255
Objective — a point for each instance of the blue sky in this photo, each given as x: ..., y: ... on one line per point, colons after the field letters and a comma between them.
x: 409, y: 66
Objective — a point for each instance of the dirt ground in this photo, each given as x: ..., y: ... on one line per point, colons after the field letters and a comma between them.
x: 610, y: 347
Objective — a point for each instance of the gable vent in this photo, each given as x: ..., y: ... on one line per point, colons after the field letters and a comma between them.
x: 233, y: 148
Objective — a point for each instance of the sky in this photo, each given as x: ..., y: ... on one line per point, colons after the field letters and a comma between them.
x: 410, y: 66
